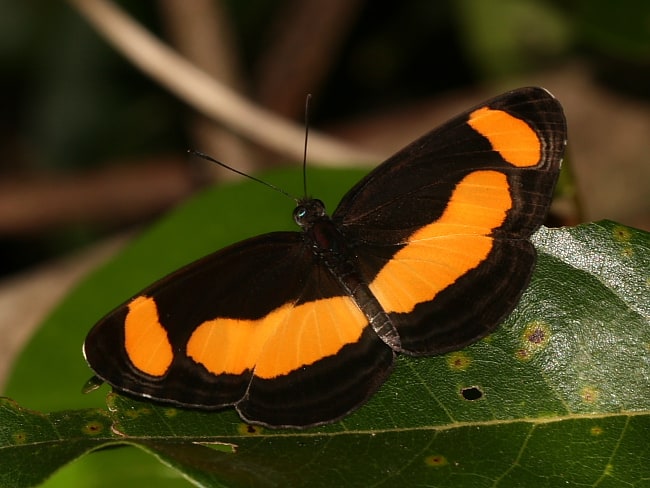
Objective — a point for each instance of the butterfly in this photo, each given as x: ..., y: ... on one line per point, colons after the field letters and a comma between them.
x: 426, y: 254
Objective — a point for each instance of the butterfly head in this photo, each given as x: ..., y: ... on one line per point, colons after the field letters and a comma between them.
x: 308, y: 212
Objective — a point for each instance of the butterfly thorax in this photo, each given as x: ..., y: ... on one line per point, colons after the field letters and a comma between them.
x: 333, y: 251
x: 322, y: 236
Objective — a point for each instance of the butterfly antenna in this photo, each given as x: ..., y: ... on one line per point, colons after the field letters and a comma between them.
x: 304, y: 154
x: 230, y: 168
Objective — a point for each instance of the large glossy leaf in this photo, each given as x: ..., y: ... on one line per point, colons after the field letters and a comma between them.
x: 557, y: 396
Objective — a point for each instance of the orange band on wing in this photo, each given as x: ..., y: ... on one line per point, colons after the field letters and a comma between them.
x: 288, y: 338
x: 511, y: 137
x: 145, y: 339
x: 439, y: 253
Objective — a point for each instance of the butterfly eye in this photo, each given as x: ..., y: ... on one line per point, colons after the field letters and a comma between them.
x: 299, y: 214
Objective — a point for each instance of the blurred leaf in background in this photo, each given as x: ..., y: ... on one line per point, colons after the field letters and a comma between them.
x: 72, y: 104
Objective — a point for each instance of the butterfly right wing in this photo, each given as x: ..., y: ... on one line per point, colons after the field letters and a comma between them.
x: 441, y: 228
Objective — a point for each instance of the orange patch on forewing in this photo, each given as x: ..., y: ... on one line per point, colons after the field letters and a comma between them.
x: 288, y: 338
x: 439, y: 253
x: 511, y: 137
x: 145, y: 339
x: 310, y: 332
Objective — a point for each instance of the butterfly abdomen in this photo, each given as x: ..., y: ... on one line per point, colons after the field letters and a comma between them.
x: 334, y: 252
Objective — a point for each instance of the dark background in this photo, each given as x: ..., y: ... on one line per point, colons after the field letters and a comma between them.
x: 91, y: 146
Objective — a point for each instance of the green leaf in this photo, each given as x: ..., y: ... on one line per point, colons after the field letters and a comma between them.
x: 34, y: 444
x: 558, y: 395
x: 506, y: 37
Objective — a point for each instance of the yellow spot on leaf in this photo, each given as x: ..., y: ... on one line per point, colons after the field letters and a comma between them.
x: 596, y: 430
x: 627, y: 252
x: 93, y: 428
x: 621, y: 234
x: 248, y: 429
x: 171, y: 412
x: 134, y: 413
x: 523, y: 354
x: 589, y: 394
x: 535, y: 338
x: 436, y: 460
x: 19, y: 437
x: 458, y: 361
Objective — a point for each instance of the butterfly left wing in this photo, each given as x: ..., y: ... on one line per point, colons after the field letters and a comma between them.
x: 259, y: 325
x: 441, y: 228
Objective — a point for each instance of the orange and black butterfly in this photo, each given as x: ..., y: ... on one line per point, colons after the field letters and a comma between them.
x: 426, y: 254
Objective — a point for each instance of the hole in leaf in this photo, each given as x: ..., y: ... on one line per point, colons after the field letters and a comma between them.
x: 471, y: 393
